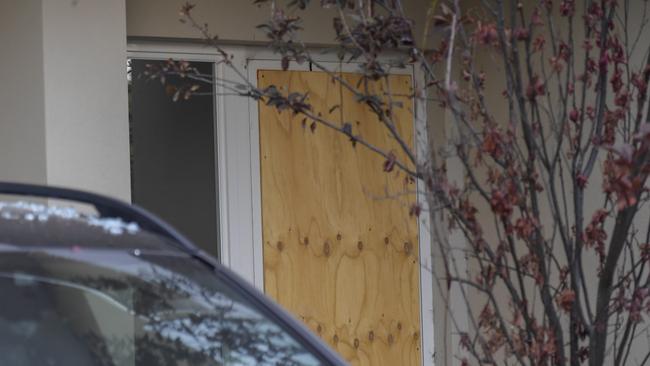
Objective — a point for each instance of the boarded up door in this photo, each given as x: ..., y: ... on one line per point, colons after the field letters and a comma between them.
x: 337, y: 253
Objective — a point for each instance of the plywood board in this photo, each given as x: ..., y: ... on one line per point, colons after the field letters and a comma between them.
x: 340, y: 249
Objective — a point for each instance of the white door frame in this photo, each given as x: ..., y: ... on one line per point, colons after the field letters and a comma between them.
x: 238, y: 164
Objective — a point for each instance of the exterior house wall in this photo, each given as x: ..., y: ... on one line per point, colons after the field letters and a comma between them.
x: 236, y: 20
x: 86, y: 106
x: 22, y: 124
x: 63, y: 107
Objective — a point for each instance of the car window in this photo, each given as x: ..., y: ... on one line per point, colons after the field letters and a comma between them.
x: 93, y: 306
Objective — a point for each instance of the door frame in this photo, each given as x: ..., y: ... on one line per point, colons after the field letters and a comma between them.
x: 236, y: 126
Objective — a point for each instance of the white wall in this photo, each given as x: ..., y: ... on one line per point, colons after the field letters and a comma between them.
x: 86, y: 105
x: 22, y: 134
x: 63, y: 103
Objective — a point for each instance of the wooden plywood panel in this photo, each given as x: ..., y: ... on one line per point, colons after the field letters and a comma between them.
x: 337, y: 253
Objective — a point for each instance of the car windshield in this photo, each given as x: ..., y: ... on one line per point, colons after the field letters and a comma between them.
x: 94, y: 306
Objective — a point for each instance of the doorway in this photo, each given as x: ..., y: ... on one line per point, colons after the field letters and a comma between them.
x: 239, y: 182
x: 173, y: 162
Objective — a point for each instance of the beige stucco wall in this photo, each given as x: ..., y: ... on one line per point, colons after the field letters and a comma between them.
x: 236, y: 20
x: 22, y: 133
x: 63, y: 104
x: 86, y: 105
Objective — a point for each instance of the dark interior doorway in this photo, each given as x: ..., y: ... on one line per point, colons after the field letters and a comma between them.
x: 173, y: 165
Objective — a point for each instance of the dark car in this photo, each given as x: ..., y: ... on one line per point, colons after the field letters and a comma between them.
x: 113, y: 285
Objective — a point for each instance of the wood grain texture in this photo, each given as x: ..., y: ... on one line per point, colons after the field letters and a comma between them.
x: 338, y: 253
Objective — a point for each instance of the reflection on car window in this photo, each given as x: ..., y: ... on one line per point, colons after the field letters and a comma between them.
x: 110, y: 307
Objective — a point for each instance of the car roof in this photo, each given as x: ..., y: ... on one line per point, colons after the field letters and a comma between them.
x: 32, y: 224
